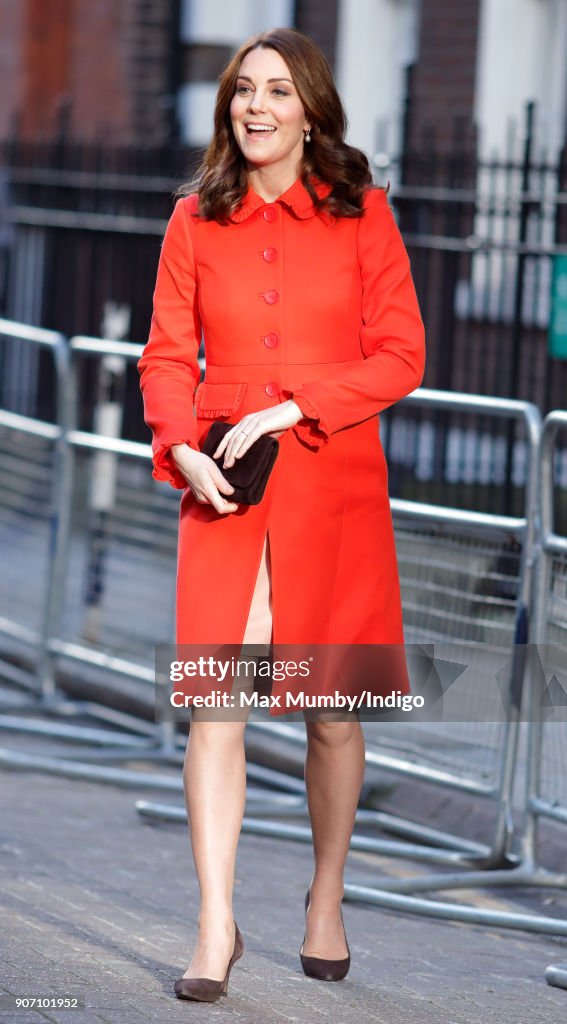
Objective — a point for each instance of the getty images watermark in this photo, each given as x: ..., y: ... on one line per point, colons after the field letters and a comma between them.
x: 279, y: 671
x: 448, y: 682
x: 342, y: 679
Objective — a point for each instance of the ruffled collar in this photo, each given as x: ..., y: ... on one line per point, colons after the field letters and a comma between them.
x: 296, y: 198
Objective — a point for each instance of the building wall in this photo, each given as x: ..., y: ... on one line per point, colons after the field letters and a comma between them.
x: 319, y: 19
x: 376, y: 44
x: 105, y: 65
x: 139, y: 70
x: 529, y: 63
x: 131, y: 70
x: 443, y: 82
x: 102, y: 101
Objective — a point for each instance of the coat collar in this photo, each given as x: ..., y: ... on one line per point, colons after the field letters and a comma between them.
x: 296, y: 198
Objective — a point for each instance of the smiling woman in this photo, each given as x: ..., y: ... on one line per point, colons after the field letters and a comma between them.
x: 289, y: 260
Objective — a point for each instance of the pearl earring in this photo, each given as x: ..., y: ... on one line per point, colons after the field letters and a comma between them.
x: 308, y: 135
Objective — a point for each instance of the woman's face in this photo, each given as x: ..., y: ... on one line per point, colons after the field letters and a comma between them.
x: 268, y: 119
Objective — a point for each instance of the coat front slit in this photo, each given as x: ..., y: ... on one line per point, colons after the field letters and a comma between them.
x: 259, y: 622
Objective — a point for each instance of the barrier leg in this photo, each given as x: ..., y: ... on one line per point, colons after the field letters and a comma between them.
x: 556, y: 974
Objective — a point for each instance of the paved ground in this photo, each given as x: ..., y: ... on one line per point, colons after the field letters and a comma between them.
x: 100, y: 904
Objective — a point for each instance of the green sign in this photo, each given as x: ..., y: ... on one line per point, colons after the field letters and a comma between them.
x: 558, y: 318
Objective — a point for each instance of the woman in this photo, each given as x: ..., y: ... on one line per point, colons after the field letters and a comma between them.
x: 293, y: 265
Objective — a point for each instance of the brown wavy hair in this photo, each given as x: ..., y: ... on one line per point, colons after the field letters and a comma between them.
x: 221, y: 178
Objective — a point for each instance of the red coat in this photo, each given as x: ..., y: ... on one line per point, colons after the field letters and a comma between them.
x: 292, y: 304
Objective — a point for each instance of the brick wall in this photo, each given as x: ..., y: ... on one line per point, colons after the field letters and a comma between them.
x: 443, y: 80
x: 101, y: 101
x: 109, y: 62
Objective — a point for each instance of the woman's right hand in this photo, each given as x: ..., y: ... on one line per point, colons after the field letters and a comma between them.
x: 204, y: 477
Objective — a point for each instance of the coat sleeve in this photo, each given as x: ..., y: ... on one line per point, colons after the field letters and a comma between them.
x: 169, y: 369
x: 392, y: 335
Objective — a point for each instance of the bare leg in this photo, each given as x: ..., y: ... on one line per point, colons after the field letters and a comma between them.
x: 334, y: 773
x: 214, y: 779
x: 215, y: 785
x: 259, y: 625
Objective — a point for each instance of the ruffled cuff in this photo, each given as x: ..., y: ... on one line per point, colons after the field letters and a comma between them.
x: 164, y: 467
x: 311, y: 429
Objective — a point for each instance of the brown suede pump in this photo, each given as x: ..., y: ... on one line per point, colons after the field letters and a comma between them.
x: 317, y: 966
x: 208, y: 990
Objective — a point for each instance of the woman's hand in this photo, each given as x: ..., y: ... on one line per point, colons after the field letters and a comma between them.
x: 204, y: 477
x: 274, y: 420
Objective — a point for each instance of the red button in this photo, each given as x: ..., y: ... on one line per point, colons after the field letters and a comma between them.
x: 271, y: 297
x: 270, y: 213
x: 272, y: 388
x: 270, y: 255
x: 271, y: 340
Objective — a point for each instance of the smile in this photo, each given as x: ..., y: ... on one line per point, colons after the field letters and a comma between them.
x: 253, y: 129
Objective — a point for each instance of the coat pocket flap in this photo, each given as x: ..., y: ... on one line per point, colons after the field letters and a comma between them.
x: 218, y: 399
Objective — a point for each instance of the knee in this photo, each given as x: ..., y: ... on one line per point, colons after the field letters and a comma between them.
x: 332, y: 735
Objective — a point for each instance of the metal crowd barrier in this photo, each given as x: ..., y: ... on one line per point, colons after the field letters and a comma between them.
x: 32, y: 469
x: 545, y: 791
x: 546, y: 783
x: 466, y: 580
x: 547, y: 776
x: 76, y: 560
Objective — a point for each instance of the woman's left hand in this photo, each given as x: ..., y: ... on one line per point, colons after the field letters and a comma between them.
x: 274, y: 420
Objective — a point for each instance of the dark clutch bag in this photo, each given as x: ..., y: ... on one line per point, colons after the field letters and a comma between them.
x: 249, y: 475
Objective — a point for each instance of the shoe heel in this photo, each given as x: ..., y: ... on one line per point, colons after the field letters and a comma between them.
x: 238, y: 951
x: 317, y: 967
